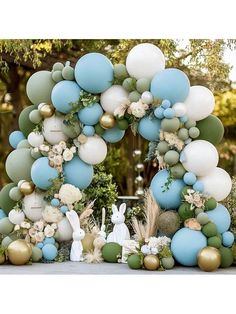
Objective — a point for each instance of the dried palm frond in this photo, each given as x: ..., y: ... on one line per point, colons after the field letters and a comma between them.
x: 86, y: 212
x: 94, y: 257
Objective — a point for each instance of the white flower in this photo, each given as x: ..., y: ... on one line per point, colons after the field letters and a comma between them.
x: 57, y: 160
x: 57, y: 149
x: 39, y: 236
x: 44, y: 148
x: 17, y: 227
x: 54, y: 226
x: 156, y: 244
x: 52, y: 214
x: 62, y: 144
x: 67, y: 154
x: 49, y: 231
x: 69, y: 194
x: 120, y: 110
x: 32, y: 232
x: 138, y: 109
x: 73, y: 149
x: 25, y: 225
x: 38, y: 225
x: 76, y: 142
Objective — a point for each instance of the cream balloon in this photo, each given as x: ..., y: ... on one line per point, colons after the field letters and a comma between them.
x: 144, y: 61
x: 33, y: 205
x: 199, y: 103
x: 35, y: 139
x: 93, y: 151
x: 64, y: 230
x: 113, y: 97
x: 16, y: 216
x: 199, y: 157
x: 217, y: 184
x: 52, y: 130
x: 179, y: 109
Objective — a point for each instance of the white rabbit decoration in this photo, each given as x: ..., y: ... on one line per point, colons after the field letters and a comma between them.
x: 76, y: 252
x: 102, y: 233
x: 120, y: 230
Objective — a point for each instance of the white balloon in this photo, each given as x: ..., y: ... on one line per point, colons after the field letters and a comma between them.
x: 199, y: 103
x: 199, y: 157
x: 52, y: 130
x: 180, y: 109
x: 16, y: 216
x: 147, y: 98
x: 35, y: 139
x: 93, y: 151
x: 20, y: 182
x: 64, y: 230
x: 217, y: 184
x: 144, y: 61
x: 33, y: 205
x: 113, y: 97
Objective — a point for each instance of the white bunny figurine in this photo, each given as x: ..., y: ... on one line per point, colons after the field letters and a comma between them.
x: 102, y: 232
x: 120, y: 230
x: 78, y: 234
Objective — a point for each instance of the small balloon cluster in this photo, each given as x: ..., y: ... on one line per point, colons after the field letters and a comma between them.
x: 76, y: 111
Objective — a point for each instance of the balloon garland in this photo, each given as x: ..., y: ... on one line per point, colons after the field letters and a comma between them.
x: 75, y: 112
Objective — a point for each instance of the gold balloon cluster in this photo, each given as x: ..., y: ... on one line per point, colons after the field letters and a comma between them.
x: 19, y: 252
x: 26, y: 188
x: 151, y: 262
x: 2, y: 258
x: 107, y: 121
x: 47, y: 111
x: 209, y: 259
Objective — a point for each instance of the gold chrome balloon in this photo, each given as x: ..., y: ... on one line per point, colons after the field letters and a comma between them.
x: 151, y: 262
x: 27, y: 188
x: 209, y: 259
x: 2, y: 258
x: 107, y: 121
x: 19, y: 252
x: 47, y: 111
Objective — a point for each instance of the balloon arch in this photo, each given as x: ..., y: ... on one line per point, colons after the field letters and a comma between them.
x: 75, y: 112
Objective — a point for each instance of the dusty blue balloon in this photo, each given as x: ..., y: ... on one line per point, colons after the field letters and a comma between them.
x: 2, y: 214
x: 49, y: 252
x: 88, y: 130
x: 198, y: 186
x: 186, y: 244
x: 94, y: 72
x: 78, y: 173
x: 171, y: 84
x: 159, y: 113
x: 42, y: 173
x: 15, y: 138
x: 149, y: 128
x: 91, y: 114
x: 189, y: 178
x: 221, y: 217
x: 64, y: 94
x: 228, y: 238
x: 49, y: 240
x: 113, y: 135
x: 168, y: 197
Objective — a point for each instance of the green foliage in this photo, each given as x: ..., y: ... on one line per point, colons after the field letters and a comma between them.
x: 165, y: 252
x: 63, y: 252
x: 230, y: 204
x: 55, y: 187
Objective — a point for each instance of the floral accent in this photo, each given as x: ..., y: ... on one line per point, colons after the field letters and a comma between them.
x: 25, y: 225
x: 69, y: 194
x: 38, y: 225
x: 172, y: 139
x: 49, y: 231
x: 138, y: 109
x: 121, y: 109
x: 51, y: 214
x: 158, y: 243
x: 67, y: 154
x: 193, y: 224
x: 43, y: 148
x: 194, y: 198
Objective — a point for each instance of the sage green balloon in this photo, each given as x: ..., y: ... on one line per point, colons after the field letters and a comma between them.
x: 18, y: 165
x: 6, y: 226
x: 177, y: 171
x: 57, y: 76
x: 193, y: 132
x: 58, y: 66
x: 56, y: 245
x: 6, y: 203
x: 129, y: 84
x: 6, y: 241
x: 183, y: 134
x: 68, y: 73
x: 35, y: 116
x: 190, y: 124
x: 214, y: 241
x: 120, y: 71
x: 23, y: 144
x: 171, y: 157
x: 134, y: 96
x: 37, y: 254
x: 202, y: 218
x: 98, y: 129
x: 142, y: 85
x: 25, y: 125
x: 35, y: 154
x: 198, y: 211
x: 168, y: 262
x: 162, y: 147
x: 15, y: 194
x: 122, y: 124
x: 170, y: 125
x: 211, y: 130
x: 71, y: 131
x: 39, y: 87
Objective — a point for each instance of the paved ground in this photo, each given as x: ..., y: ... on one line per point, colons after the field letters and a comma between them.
x: 71, y: 268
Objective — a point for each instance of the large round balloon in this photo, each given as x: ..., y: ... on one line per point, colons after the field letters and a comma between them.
x: 15, y: 138
x: 18, y: 165
x: 78, y: 173
x: 52, y: 130
x: 199, y: 103
x: 25, y: 125
x: 199, y: 157
x: 168, y: 197
x: 113, y: 98
x: 64, y: 94
x: 91, y: 114
x: 39, y: 87
x: 211, y: 130
x: 64, y: 230
x: 93, y: 151
x: 149, y: 128
x: 221, y: 217
x: 186, y: 244
x: 33, y: 205
x: 217, y: 184
x: 171, y: 84
x: 94, y: 72
x: 113, y: 135
x: 144, y: 61
x: 42, y: 173
x: 6, y: 203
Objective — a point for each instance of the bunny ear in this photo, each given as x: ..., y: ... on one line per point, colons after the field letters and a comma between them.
x: 73, y: 219
x: 114, y: 208
x: 122, y: 208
